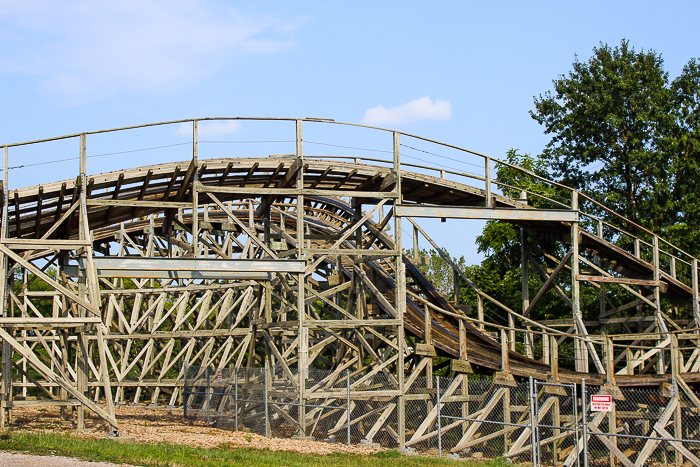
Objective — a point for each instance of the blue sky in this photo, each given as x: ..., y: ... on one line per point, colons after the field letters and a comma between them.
x: 460, y: 72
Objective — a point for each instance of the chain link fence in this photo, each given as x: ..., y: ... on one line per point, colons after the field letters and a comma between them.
x: 467, y: 417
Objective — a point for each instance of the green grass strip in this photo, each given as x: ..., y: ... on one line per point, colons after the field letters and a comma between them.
x: 171, y: 455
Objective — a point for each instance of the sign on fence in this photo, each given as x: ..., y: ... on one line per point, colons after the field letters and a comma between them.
x: 219, y: 376
x: 601, y: 403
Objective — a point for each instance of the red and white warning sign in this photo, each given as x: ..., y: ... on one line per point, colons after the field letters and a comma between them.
x: 219, y: 376
x: 601, y: 403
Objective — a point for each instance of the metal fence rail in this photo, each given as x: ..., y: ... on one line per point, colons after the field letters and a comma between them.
x: 531, y: 422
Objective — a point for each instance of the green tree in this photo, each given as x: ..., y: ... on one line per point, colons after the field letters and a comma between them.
x: 627, y: 135
x: 438, y: 271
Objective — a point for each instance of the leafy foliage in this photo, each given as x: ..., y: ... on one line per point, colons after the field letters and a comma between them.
x: 629, y: 137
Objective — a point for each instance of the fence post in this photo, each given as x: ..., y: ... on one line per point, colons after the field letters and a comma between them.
x: 575, y: 422
x: 347, y: 383
x: 533, y: 423
x: 584, y: 419
x: 185, y: 394
x: 439, y: 417
x: 267, y: 408
x: 208, y: 396
x: 235, y: 396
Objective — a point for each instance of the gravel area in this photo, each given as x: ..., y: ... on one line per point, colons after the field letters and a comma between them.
x: 160, y: 425
x: 9, y: 459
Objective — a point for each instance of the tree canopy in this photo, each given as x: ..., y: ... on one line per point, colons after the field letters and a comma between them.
x: 627, y: 135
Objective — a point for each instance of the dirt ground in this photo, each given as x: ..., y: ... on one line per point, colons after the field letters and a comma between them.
x: 160, y: 425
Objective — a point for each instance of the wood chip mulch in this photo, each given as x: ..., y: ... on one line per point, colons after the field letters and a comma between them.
x: 159, y: 425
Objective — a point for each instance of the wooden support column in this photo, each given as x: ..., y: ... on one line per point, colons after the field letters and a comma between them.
x: 301, y: 302
x: 195, y: 193
x: 601, y: 296
x: 660, y: 324
x: 487, y: 176
x: 581, y: 355
x: 696, y: 305
x: 505, y: 357
x: 480, y: 311
x: 400, y: 297
x: 609, y: 362
x: 416, y: 254
x: 6, y: 388
x: 554, y: 359
x: 676, y: 370
x: 638, y: 254
x: 81, y: 347
x: 525, y: 289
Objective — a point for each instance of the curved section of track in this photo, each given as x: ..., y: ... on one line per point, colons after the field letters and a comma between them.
x: 34, y: 211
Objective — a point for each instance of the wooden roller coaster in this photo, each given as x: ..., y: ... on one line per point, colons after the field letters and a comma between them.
x: 288, y: 260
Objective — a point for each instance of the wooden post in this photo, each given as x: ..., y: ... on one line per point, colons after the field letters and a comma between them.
x: 416, y: 254
x: 81, y: 347
x: 480, y: 311
x: 609, y: 361
x: 487, y: 175
x: 554, y: 359
x: 505, y: 361
x: 580, y: 348
x: 601, y: 296
x: 676, y: 370
x: 195, y: 193
x: 301, y: 302
x: 696, y: 305
x: 660, y: 324
x: 525, y: 289
x: 400, y: 297
x: 6, y: 394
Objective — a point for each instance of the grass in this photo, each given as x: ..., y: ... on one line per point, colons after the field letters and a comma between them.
x: 169, y: 455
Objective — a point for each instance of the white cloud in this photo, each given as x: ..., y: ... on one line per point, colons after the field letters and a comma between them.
x: 215, y: 128
x: 419, y: 109
x: 85, y: 49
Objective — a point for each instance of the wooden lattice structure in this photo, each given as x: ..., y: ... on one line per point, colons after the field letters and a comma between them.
x: 289, y: 260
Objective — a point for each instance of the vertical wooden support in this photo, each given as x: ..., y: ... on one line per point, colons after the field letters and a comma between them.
x: 416, y: 254
x: 609, y: 362
x: 554, y: 359
x: 6, y: 388
x: 465, y: 379
x: 525, y: 289
x: 660, y: 324
x: 195, y: 193
x: 455, y: 278
x: 601, y: 296
x: 505, y: 357
x: 511, y: 332
x: 480, y: 311
x: 400, y: 296
x: 696, y: 305
x: 462, y: 340
x: 629, y: 356
x: 301, y: 302
x: 545, y: 349
x: 81, y: 348
x: 487, y: 175
x: 580, y: 347
x: 638, y: 254
x: 672, y: 266
x: 428, y: 338
x: 676, y: 370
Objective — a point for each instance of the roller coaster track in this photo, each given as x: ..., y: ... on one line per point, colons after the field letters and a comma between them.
x: 221, y: 288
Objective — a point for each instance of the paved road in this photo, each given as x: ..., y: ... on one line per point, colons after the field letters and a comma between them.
x: 8, y: 459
